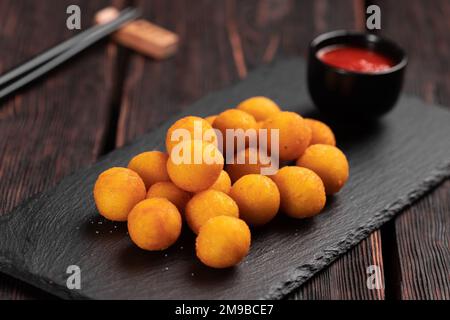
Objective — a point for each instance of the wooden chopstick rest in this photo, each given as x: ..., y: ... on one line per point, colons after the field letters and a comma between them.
x: 141, y: 35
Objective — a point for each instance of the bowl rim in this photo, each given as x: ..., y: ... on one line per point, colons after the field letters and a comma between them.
x: 370, y: 37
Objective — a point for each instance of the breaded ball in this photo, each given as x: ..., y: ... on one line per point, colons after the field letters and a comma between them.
x: 171, y: 192
x: 237, y: 170
x: 189, y: 123
x: 261, y: 108
x: 154, y: 224
x: 223, y: 242
x: 223, y: 183
x: 294, y: 134
x: 117, y: 191
x: 257, y: 197
x: 301, y: 190
x: 207, y: 204
x: 150, y: 166
x: 329, y: 163
x: 321, y: 133
x: 211, y: 119
x: 196, y: 167
x: 235, y: 119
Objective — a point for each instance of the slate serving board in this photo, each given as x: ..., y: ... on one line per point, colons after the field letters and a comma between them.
x: 393, y: 162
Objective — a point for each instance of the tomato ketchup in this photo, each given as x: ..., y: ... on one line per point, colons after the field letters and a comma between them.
x: 355, y: 59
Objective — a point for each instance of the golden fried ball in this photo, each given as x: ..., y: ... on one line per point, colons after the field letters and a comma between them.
x: 237, y: 170
x: 207, y: 204
x: 294, y: 134
x: 257, y: 197
x: 189, y: 123
x: 150, y: 166
x: 235, y: 119
x: 261, y: 108
x: 154, y: 224
x: 301, y: 190
x: 191, y: 175
x: 211, y: 119
x: 223, y: 183
x: 223, y: 242
x: 329, y: 163
x: 321, y: 133
x: 117, y: 191
x: 171, y: 192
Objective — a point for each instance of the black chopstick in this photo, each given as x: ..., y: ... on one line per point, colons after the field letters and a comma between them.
x: 50, y: 54
x: 55, y: 56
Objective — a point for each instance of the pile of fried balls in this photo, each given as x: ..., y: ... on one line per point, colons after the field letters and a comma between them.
x: 219, y: 201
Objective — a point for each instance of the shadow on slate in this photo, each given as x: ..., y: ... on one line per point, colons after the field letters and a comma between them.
x: 393, y: 162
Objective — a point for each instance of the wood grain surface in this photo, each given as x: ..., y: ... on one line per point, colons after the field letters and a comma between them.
x: 54, y: 126
x: 222, y: 42
x: 421, y: 237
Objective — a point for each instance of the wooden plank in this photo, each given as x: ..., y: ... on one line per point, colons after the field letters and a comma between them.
x: 221, y: 42
x: 58, y: 124
x: 156, y: 90
x: 421, y: 240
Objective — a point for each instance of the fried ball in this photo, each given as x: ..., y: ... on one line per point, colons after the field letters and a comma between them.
x: 171, y: 192
x: 207, y: 204
x: 190, y: 123
x: 237, y: 170
x: 154, y: 224
x: 261, y: 108
x: 150, y: 166
x: 211, y: 119
x: 223, y: 183
x: 329, y: 163
x: 223, y: 242
x: 321, y: 133
x: 257, y: 197
x: 117, y: 191
x: 196, y: 166
x: 301, y: 190
x: 294, y: 134
x: 235, y: 119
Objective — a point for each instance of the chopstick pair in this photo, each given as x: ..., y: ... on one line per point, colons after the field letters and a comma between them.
x: 52, y: 58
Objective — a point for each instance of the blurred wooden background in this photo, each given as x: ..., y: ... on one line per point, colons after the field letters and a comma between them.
x: 109, y: 95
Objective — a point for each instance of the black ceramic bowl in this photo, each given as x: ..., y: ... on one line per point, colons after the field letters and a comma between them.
x: 342, y: 93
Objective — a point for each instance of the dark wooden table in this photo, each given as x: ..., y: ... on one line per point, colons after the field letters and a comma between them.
x: 108, y: 96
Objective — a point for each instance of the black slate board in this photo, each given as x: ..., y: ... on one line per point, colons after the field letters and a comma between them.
x: 393, y: 162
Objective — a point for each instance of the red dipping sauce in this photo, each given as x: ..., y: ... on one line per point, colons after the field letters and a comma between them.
x: 355, y: 59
